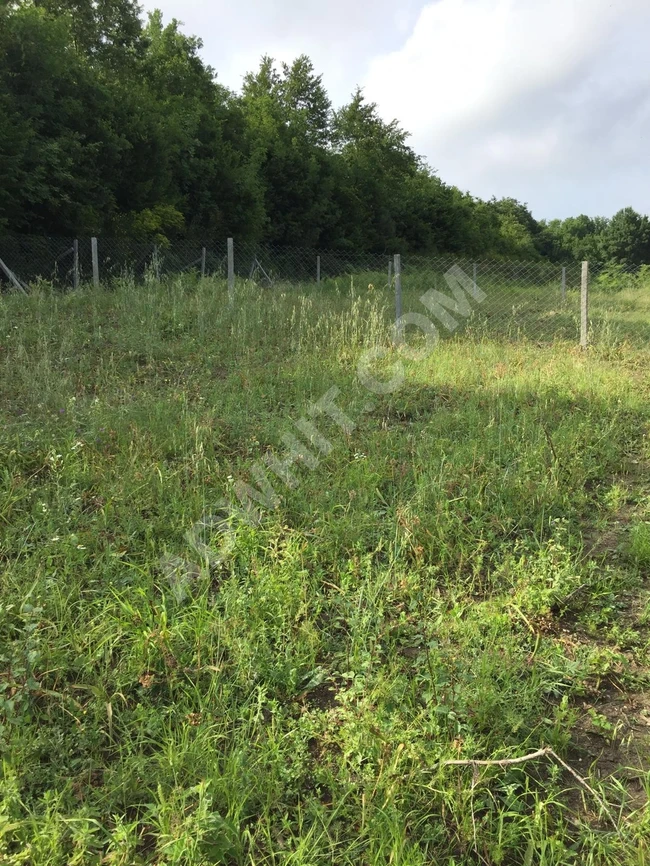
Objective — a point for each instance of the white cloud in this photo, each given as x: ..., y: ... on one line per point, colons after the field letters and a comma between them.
x: 340, y: 36
x: 467, y: 59
x: 512, y: 149
x: 505, y: 96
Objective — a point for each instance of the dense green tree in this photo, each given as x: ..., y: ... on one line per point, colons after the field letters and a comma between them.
x: 204, y: 139
x: 93, y: 146
x: 289, y: 154
x: 306, y: 105
x: 58, y: 107
x: 573, y: 239
x: 108, y: 30
x: 111, y: 123
x: 626, y: 239
x: 517, y: 231
x: 376, y: 168
x: 16, y: 136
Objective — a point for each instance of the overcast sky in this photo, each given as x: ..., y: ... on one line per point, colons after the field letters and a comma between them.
x: 544, y: 100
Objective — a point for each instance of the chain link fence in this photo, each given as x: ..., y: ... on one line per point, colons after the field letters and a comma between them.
x: 65, y: 263
x: 518, y: 299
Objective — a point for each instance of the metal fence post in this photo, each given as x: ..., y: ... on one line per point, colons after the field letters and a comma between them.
x: 564, y: 284
x: 318, y: 269
x: 95, y: 254
x: 390, y: 272
x: 231, y: 270
x: 475, y: 278
x: 204, y: 255
x: 584, y: 306
x: 397, y: 263
x: 75, y: 264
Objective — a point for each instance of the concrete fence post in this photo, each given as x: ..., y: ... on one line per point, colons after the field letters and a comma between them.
x: 397, y: 264
x: 231, y: 270
x: 584, y: 306
x: 95, y: 256
x: 75, y: 264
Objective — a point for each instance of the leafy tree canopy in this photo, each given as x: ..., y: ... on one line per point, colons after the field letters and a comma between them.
x: 112, y: 123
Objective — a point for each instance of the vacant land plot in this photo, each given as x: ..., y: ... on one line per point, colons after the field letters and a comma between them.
x: 462, y: 577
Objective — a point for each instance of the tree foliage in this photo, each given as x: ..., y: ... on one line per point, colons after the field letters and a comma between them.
x: 110, y: 123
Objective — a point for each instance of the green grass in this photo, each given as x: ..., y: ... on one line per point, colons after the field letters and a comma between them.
x: 463, y: 576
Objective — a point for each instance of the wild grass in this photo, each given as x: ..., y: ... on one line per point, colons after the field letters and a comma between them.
x: 463, y: 576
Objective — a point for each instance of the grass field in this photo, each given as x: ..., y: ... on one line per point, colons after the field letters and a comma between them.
x: 464, y: 576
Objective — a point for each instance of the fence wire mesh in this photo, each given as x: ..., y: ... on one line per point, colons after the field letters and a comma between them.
x: 533, y: 299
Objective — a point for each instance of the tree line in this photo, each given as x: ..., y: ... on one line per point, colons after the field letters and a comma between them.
x: 113, y: 124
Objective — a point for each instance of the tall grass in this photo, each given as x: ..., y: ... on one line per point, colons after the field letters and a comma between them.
x: 462, y: 576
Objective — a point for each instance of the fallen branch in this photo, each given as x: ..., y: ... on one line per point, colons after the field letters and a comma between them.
x: 541, y: 753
